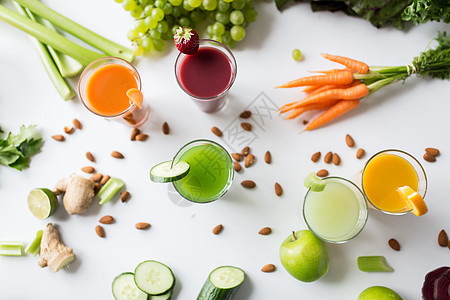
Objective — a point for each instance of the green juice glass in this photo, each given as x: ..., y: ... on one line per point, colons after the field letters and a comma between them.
x: 211, y: 172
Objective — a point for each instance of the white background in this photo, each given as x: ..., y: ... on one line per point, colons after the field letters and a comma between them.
x: 410, y: 116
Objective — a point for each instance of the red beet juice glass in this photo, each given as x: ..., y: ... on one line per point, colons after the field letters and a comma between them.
x: 207, y: 75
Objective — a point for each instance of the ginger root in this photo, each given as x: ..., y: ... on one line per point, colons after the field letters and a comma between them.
x: 79, y: 192
x: 53, y: 252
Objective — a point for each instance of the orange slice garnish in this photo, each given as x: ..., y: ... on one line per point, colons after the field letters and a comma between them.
x: 135, y: 97
x: 413, y: 200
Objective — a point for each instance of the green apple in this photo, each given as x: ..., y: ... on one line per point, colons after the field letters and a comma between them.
x: 379, y: 293
x: 304, y: 256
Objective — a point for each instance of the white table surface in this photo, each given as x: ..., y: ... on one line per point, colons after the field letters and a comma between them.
x: 410, y: 116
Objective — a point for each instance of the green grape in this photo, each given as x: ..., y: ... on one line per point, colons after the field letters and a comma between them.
x: 251, y: 15
x: 129, y: 5
x: 158, y: 44
x: 228, y: 0
x: 139, y: 50
x: 150, y: 22
x: 210, y: 30
x: 211, y: 16
x: 140, y: 26
x: 197, y: 16
x: 226, y: 37
x: 236, y: 17
x: 150, y: 2
x: 143, y: 3
x: 166, y: 36
x: 210, y: 4
x: 148, y: 10
x: 174, y: 29
x: 160, y: 4
x: 187, y: 6
x: 137, y: 11
x: 249, y: 4
x: 170, y: 21
x: 184, y: 22
x: 223, y: 6
x: 218, y: 29
x: 158, y: 14
x: 237, y: 33
x: 176, y: 12
x: 296, y: 54
x: 168, y: 8
x: 163, y: 26
x: 147, y: 44
x: 238, y: 4
x: 132, y: 34
x: 222, y: 17
x: 194, y: 3
x: 217, y: 38
x: 244, y: 24
x: 119, y: 1
x: 155, y: 34
x: 175, y: 2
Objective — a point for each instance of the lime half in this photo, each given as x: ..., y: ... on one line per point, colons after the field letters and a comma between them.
x: 42, y: 202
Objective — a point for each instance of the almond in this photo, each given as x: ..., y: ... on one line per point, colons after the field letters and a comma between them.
x: 77, y: 124
x: 249, y: 160
x: 125, y: 196
x: 134, y: 133
x: 328, y: 157
x: 269, y: 268
x: 97, y: 177
x: 360, y: 153
x: 237, y: 166
x: 268, y: 157
x: 336, y: 159
x: 432, y: 151
x: 97, y: 188
x: 218, y: 229
x: 236, y: 156
x: 58, y: 137
x: 165, y: 128
x: 117, y: 154
x: 429, y: 158
x: 141, y: 137
x: 107, y: 219
x: 278, y: 189
x: 394, y: 244
x: 216, y: 131
x: 443, y: 238
x: 305, y: 122
x: 349, y: 141
x: 90, y: 157
x: 246, y: 126
x: 448, y: 245
x: 105, y: 179
x: 265, y: 231
x: 88, y: 169
x: 322, y: 173
x: 248, y: 184
x: 245, y: 151
x: 100, y: 231
x: 68, y: 129
x: 142, y: 225
x: 316, y: 156
x: 245, y: 114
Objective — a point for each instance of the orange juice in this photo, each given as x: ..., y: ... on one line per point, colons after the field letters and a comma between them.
x: 383, y: 174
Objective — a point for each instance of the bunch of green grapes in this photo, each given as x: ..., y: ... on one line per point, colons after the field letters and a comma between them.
x: 157, y: 20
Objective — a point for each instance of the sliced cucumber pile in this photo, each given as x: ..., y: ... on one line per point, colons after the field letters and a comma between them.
x: 165, y: 172
x: 222, y: 284
x: 154, y: 278
x: 124, y: 288
x: 315, y: 184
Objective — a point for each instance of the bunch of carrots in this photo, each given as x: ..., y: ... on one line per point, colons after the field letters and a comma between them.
x: 339, y: 91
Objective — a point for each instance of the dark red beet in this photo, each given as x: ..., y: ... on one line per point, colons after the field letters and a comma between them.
x: 437, y: 284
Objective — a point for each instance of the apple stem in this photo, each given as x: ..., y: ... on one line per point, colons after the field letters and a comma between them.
x: 293, y: 234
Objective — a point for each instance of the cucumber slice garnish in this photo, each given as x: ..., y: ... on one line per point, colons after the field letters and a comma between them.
x: 165, y: 172
x: 124, y: 288
x: 222, y: 283
x: 153, y: 277
x: 315, y: 184
x: 42, y: 202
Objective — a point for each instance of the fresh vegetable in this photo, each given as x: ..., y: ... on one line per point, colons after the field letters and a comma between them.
x: 11, y: 248
x: 153, y: 277
x: 354, y: 65
x: 78, y: 193
x: 42, y: 202
x: 437, y: 284
x: 16, y: 150
x: 186, y: 40
x: 222, y: 284
x: 165, y: 172
x: 433, y: 62
x: 166, y: 296
x: 341, y: 77
x: 374, y: 264
x: 422, y: 11
x: 35, y: 246
x: 315, y: 184
x: 110, y: 189
x: 413, y: 200
x: 53, y: 252
x: 124, y: 288
x: 379, y: 293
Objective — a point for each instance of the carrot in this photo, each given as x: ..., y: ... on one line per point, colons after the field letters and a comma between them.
x: 357, y: 66
x: 331, y: 71
x: 298, y: 111
x: 332, y: 113
x: 342, y: 77
x: 310, y: 88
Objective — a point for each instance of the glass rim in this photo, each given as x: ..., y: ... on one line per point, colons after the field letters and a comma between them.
x: 364, y: 208
x: 230, y: 179
x: 100, y: 60
x: 233, y: 62
x: 396, y: 212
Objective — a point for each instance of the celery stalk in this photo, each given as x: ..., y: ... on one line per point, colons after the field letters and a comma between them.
x: 110, y: 189
x: 374, y: 264
x: 49, y: 37
x: 11, y: 248
x: 77, y: 30
x: 63, y: 88
x: 35, y: 246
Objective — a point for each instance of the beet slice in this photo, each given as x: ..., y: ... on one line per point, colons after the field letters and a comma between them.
x: 442, y: 286
x: 432, y: 289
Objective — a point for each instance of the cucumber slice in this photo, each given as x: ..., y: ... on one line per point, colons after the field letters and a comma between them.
x: 165, y: 172
x: 166, y: 296
x: 124, y: 288
x: 315, y: 184
x: 153, y: 277
x: 222, y: 284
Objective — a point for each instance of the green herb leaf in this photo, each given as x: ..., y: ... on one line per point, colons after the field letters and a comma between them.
x: 422, y: 11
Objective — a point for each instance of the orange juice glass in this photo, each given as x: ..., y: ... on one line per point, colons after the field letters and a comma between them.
x: 384, y: 173
x: 103, y: 87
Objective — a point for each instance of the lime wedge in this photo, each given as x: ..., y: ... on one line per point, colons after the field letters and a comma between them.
x: 315, y: 184
x: 165, y: 172
x: 42, y: 202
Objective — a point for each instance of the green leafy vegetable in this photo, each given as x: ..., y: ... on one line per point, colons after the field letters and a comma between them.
x: 16, y: 150
x: 422, y: 11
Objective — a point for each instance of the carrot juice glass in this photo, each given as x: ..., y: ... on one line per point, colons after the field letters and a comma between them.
x: 386, y: 172
x: 103, y: 87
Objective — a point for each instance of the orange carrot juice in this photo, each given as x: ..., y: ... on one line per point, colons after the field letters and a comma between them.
x: 384, y: 174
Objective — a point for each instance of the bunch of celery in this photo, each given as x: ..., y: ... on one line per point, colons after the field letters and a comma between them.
x: 61, y: 57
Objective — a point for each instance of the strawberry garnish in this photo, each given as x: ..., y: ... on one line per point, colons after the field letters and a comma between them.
x: 186, y: 40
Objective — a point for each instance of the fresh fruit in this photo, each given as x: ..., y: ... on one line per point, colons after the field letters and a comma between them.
x: 42, y: 202
x: 165, y: 172
x: 378, y: 293
x: 413, y: 200
x: 186, y: 40
x: 315, y: 184
x: 304, y: 256
x: 135, y: 97
x: 296, y: 54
